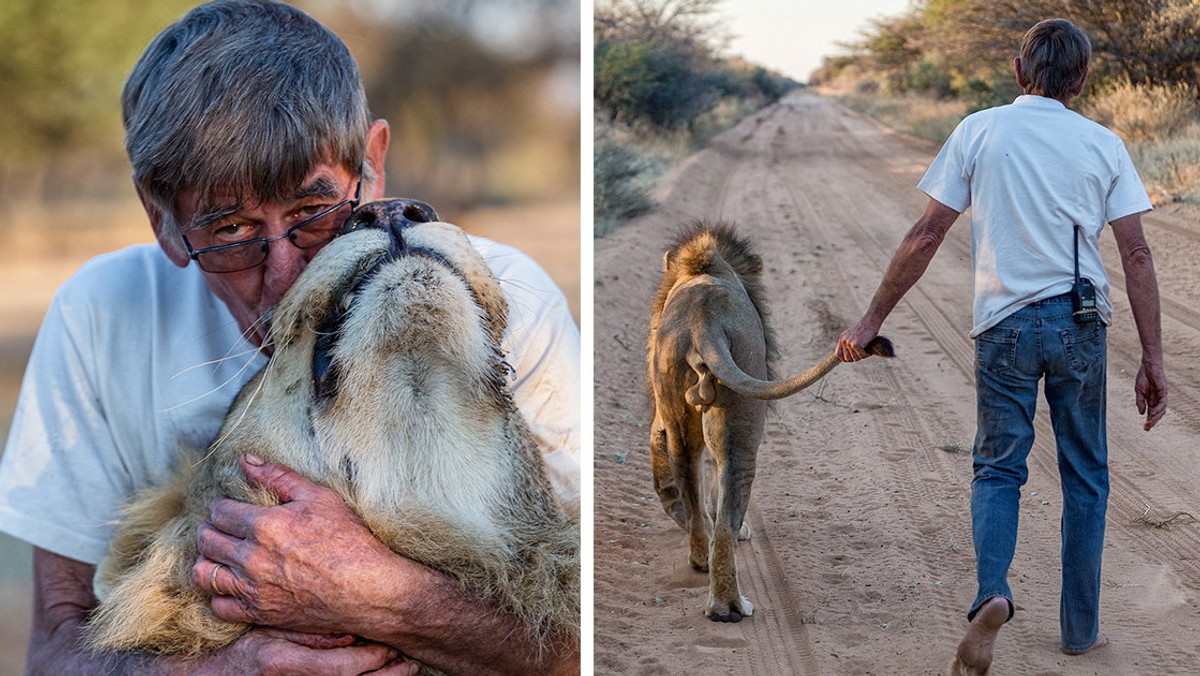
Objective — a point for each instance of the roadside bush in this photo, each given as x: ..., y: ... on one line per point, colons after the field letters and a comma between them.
x: 639, y: 82
x: 1141, y: 113
x: 621, y: 183
x: 1170, y: 167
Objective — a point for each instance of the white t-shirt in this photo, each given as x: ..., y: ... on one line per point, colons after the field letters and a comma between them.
x: 1030, y: 172
x: 137, y: 360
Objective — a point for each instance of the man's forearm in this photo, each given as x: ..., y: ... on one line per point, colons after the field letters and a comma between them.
x: 1141, y: 285
x: 62, y: 600
x: 62, y: 653
x: 448, y: 629
x: 911, y: 259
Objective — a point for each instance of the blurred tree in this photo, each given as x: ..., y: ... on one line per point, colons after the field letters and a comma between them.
x: 657, y: 64
x: 1139, y: 41
x: 895, y: 44
x: 482, y: 95
x: 665, y: 85
x: 62, y: 63
x: 691, y: 22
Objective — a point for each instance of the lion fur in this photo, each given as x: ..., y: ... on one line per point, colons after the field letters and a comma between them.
x: 709, y: 356
x: 422, y: 440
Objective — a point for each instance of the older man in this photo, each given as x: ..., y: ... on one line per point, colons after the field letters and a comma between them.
x: 250, y: 141
x: 1041, y: 182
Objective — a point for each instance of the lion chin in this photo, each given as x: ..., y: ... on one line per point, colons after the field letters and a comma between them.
x: 387, y: 385
x: 708, y: 359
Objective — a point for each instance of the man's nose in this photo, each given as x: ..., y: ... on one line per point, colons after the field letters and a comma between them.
x: 284, y: 264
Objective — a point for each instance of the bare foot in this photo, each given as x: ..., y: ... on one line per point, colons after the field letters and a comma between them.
x: 974, y: 656
x: 1101, y: 641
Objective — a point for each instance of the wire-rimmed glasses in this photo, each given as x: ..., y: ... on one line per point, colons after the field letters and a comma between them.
x: 237, y: 256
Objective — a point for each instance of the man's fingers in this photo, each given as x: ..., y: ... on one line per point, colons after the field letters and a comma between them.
x: 1156, y: 413
x: 359, y: 659
x: 314, y: 641
x: 399, y: 667
x: 286, y: 483
x: 234, y: 518
x: 219, y: 546
x: 848, y: 351
x: 216, y: 578
x: 280, y: 654
x: 233, y: 609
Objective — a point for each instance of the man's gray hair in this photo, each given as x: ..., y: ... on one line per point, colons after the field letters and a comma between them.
x: 1054, y: 58
x: 244, y: 97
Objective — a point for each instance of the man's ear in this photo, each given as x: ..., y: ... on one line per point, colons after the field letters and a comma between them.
x: 167, y: 235
x: 376, y: 153
x: 1017, y: 71
x: 1082, y: 83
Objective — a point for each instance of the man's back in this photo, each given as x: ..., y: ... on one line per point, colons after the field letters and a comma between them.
x: 1030, y: 172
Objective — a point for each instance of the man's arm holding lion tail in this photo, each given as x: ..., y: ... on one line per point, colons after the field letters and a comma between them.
x: 715, y: 357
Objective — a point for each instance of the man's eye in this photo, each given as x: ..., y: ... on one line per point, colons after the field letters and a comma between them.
x: 233, y: 232
x: 312, y: 210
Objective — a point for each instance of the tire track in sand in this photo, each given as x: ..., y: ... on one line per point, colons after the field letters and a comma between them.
x: 775, y: 638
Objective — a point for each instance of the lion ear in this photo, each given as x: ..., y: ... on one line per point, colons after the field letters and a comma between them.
x: 666, y: 260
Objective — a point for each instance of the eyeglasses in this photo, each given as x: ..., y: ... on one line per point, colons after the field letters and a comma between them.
x: 312, y: 231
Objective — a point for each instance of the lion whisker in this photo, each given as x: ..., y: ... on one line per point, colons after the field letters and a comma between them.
x: 232, y: 426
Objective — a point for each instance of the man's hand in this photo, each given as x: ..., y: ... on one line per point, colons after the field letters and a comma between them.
x: 1151, y: 389
x: 906, y: 267
x: 1141, y: 285
x: 268, y: 651
x: 310, y: 565
x: 851, y: 343
x: 302, y: 565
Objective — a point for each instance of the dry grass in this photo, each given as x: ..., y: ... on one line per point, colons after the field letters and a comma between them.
x: 623, y: 176
x: 920, y: 116
x: 1170, y: 167
x: 1160, y: 125
x: 1143, y: 113
x: 627, y: 163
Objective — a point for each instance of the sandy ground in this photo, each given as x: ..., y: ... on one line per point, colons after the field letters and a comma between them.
x: 861, y: 561
x: 33, y: 265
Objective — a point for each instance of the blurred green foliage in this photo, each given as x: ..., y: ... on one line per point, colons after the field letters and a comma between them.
x: 661, y: 81
x: 658, y: 66
x: 482, y: 95
x: 62, y: 63
x: 964, y: 48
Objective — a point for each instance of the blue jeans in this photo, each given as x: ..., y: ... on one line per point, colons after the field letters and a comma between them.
x: 1042, y: 341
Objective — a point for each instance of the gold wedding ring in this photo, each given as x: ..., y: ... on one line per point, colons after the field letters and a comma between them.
x: 212, y: 580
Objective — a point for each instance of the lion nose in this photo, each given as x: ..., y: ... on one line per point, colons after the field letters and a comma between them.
x: 392, y: 215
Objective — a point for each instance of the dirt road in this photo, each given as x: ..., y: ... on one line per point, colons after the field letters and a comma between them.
x: 861, y: 562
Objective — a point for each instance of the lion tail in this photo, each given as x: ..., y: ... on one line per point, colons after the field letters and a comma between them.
x: 721, y: 365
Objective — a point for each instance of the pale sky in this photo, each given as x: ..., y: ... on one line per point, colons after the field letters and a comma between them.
x: 791, y: 36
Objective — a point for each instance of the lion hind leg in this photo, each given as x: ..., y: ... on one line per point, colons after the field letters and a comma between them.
x: 733, y: 452
x: 725, y: 601
x: 685, y: 448
x: 154, y: 606
x: 664, y: 477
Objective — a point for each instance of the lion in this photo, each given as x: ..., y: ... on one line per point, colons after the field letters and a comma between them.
x: 387, y: 385
x: 708, y: 358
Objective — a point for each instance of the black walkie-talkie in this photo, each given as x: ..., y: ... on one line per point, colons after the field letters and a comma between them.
x: 1083, y: 292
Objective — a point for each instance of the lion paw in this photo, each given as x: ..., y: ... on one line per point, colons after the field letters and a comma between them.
x: 734, y: 612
